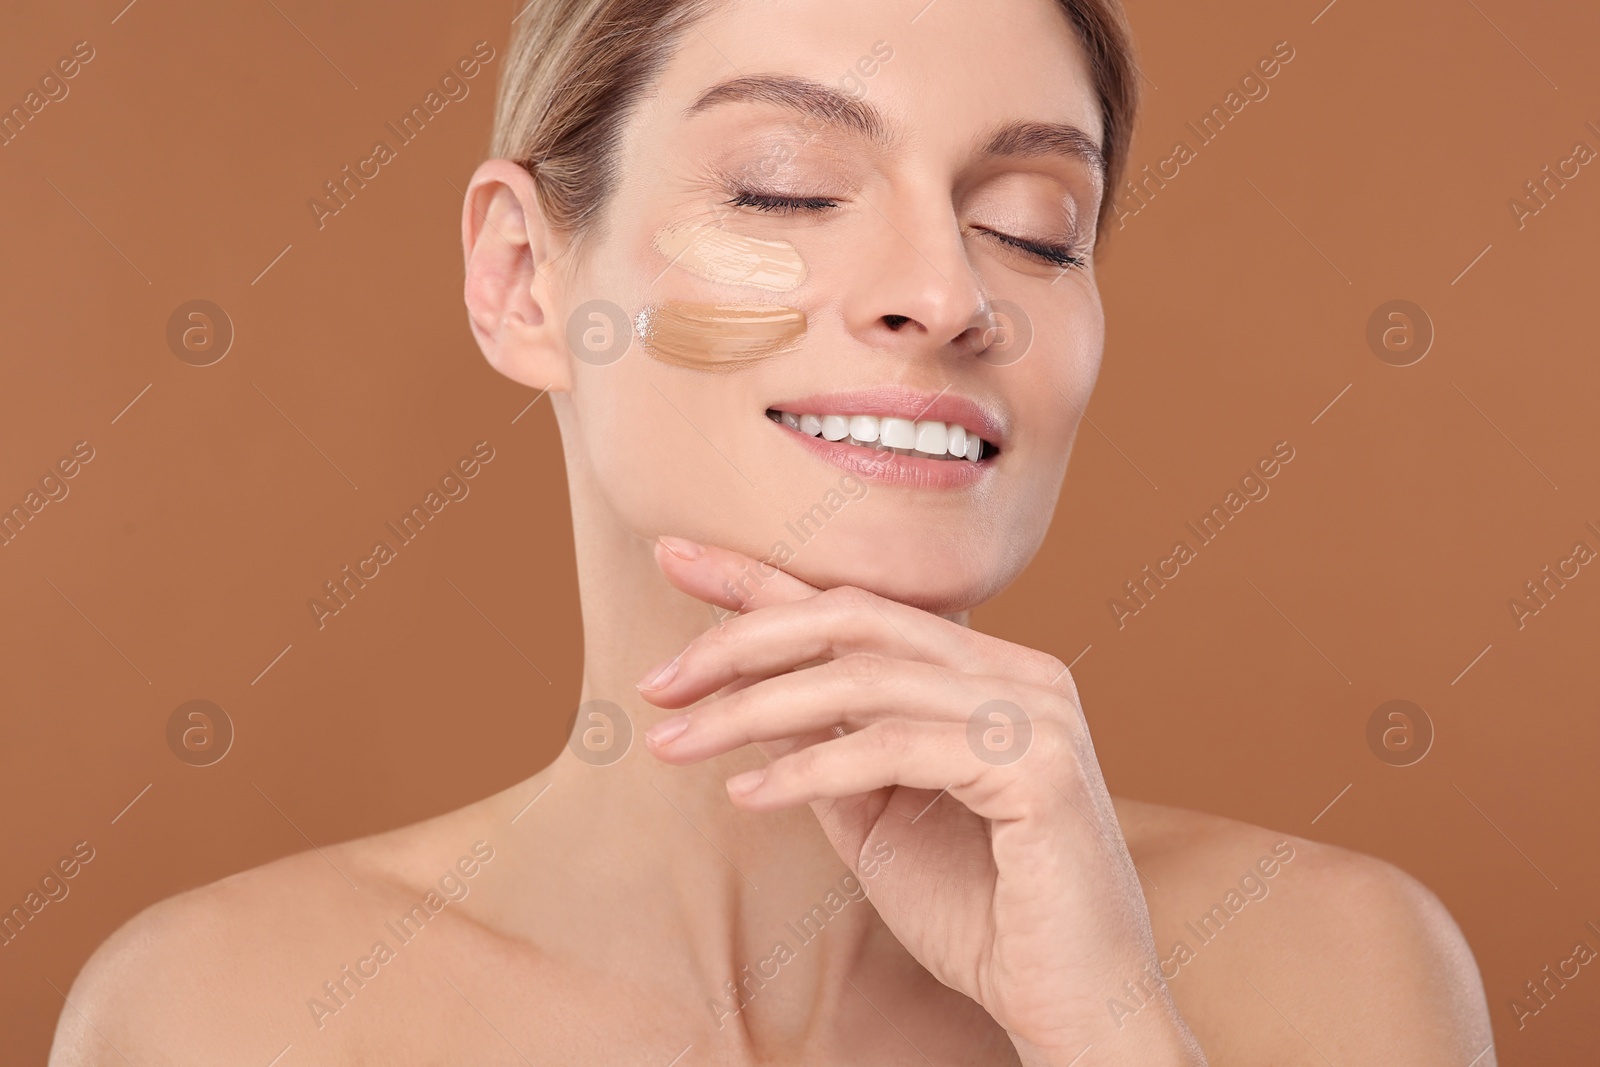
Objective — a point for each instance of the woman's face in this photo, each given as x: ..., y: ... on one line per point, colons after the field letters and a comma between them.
x: 881, y: 212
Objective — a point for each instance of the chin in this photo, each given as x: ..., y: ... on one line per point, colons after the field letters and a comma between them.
x: 941, y: 575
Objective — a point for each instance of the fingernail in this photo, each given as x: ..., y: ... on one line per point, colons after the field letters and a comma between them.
x: 661, y: 675
x: 666, y: 729
x: 682, y: 547
x: 740, y: 784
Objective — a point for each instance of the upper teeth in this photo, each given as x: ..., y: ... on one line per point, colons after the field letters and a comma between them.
x: 924, y: 437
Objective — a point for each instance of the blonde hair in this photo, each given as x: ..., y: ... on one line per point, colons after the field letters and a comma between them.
x: 576, y: 67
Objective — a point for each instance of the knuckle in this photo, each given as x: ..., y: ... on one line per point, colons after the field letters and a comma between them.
x: 1056, y: 742
x: 1053, y: 669
x: 727, y: 708
x: 803, y: 764
x: 721, y: 644
x: 848, y: 599
x: 893, y: 738
x: 1048, y: 744
x: 851, y: 630
x: 860, y: 668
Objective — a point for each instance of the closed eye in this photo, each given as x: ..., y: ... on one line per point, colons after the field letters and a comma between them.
x: 1059, y: 255
x: 1067, y: 256
x: 782, y: 205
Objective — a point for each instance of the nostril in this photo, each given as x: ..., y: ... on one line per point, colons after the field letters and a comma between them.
x: 894, y: 322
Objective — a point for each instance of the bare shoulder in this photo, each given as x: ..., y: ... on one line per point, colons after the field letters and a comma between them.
x: 1283, y: 950
x: 242, y: 968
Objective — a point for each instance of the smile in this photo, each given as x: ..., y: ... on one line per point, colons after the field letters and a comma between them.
x: 926, y: 438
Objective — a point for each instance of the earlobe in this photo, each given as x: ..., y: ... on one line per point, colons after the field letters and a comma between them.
x: 505, y: 241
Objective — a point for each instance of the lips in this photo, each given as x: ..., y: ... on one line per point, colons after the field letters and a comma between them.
x: 928, y: 440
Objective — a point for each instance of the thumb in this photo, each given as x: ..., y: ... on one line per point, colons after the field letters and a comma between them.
x: 726, y: 579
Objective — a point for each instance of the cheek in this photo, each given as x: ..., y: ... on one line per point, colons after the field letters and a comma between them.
x: 1057, y: 378
x: 668, y: 451
x: 634, y: 430
x: 651, y: 433
x: 1082, y: 342
x: 1049, y: 389
x: 718, y: 337
x: 718, y: 303
x: 669, y: 434
x: 708, y: 250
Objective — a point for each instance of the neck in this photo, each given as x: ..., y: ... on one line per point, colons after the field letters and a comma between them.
x: 649, y: 867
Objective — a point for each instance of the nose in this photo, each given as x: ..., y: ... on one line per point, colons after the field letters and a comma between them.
x: 917, y: 292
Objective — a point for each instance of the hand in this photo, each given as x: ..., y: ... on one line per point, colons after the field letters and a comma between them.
x: 1011, y: 880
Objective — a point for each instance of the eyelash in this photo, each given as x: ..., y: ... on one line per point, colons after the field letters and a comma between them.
x: 1067, y: 256
x: 782, y: 205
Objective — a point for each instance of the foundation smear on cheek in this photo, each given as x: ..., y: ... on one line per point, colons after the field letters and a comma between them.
x: 718, y: 337
x: 717, y: 255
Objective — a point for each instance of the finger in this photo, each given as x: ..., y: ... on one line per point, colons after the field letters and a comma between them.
x: 900, y: 752
x: 837, y: 623
x: 728, y: 579
x: 855, y: 691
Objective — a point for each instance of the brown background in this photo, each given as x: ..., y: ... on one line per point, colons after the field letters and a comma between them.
x: 1381, y: 564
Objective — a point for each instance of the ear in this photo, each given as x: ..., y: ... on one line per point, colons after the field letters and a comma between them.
x: 510, y: 290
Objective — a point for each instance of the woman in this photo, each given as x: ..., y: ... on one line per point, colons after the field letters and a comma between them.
x: 774, y: 265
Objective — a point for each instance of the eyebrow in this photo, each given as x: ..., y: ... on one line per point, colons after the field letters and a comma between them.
x: 809, y: 98
x: 836, y: 108
x: 1026, y: 139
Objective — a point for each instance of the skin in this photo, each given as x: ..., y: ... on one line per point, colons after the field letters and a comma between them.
x: 620, y: 898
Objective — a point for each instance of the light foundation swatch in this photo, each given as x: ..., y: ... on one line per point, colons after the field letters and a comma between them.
x: 719, y: 255
x: 718, y: 337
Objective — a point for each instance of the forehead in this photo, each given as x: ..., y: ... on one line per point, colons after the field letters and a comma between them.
x: 941, y: 73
